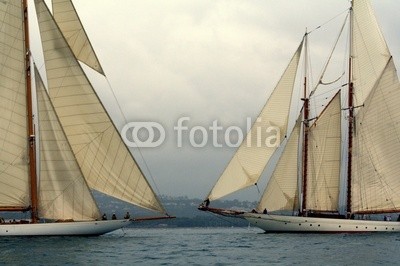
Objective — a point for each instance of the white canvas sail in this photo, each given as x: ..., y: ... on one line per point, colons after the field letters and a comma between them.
x: 64, y: 193
x: 14, y: 178
x: 323, y: 171
x: 281, y: 193
x: 376, y: 168
x: 369, y: 50
x: 248, y: 163
x: 105, y: 161
x: 70, y: 25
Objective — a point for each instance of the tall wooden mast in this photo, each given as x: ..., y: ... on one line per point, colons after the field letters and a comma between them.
x: 351, y: 116
x: 31, y: 129
x: 305, y: 129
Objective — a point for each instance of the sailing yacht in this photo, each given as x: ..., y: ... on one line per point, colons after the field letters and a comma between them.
x: 58, y: 144
x: 356, y: 140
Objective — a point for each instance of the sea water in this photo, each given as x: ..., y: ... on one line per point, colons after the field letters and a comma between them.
x: 202, y: 246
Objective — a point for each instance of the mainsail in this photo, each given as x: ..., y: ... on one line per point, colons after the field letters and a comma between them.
x: 14, y: 178
x: 104, y: 159
x: 281, y: 193
x: 70, y: 25
x: 64, y: 193
x: 248, y: 163
x: 323, y: 177
x: 375, y: 175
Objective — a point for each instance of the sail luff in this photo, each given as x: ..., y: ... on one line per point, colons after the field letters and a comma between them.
x: 106, y: 162
x: 249, y: 161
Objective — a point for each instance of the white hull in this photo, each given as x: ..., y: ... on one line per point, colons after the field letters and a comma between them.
x: 295, y: 224
x: 63, y: 229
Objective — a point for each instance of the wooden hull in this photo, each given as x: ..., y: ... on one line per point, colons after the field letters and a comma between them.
x: 294, y: 224
x: 91, y: 228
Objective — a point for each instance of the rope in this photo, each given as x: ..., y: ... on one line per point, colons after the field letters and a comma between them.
x: 323, y: 24
x: 138, y: 148
x: 330, y: 57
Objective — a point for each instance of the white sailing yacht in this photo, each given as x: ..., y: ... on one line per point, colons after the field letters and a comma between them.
x: 357, y: 142
x: 79, y: 147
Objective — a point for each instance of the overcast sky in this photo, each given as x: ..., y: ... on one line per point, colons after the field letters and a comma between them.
x: 208, y: 60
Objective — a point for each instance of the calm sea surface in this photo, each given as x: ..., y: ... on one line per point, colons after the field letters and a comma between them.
x: 202, y: 246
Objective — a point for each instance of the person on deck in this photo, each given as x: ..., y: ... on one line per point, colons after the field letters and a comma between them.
x: 114, y: 217
x: 127, y: 215
x: 104, y: 217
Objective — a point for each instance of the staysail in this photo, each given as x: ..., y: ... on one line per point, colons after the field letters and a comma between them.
x: 105, y: 161
x: 281, y: 193
x: 14, y: 178
x: 248, y: 163
x: 70, y: 25
x: 376, y: 168
x: 64, y: 193
x: 323, y: 175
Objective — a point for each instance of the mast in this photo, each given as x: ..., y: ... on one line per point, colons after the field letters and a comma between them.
x: 351, y: 115
x: 305, y: 130
x: 31, y: 130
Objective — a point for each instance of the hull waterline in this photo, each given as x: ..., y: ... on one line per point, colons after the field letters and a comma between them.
x: 295, y: 224
x: 90, y: 228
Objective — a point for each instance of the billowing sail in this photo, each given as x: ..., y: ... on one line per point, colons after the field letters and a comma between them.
x: 14, y: 178
x: 64, y: 193
x: 281, y: 193
x: 323, y: 171
x: 376, y: 148
x: 265, y: 136
x: 369, y: 50
x: 70, y: 25
x: 105, y: 161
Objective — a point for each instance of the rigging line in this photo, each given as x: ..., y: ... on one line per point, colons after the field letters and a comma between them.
x: 330, y: 56
x: 326, y: 22
x: 331, y: 82
x: 138, y: 148
x: 258, y: 189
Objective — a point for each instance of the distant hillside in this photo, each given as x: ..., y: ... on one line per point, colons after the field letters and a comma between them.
x: 183, y: 208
